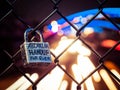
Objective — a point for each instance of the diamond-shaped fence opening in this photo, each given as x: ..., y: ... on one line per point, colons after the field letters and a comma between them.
x: 84, y: 49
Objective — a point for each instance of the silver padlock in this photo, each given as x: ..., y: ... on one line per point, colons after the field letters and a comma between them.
x: 35, y: 53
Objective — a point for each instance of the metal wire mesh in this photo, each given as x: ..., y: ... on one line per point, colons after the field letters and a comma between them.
x: 56, y: 61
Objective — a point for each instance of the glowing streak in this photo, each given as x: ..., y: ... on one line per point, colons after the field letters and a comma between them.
x: 27, y: 84
x: 64, y: 85
x: 65, y: 42
x: 44, y: 84
x: 89, y: 84
x: 18, y: 83
x: 62, y: 45
x: 108, y: 81
x: 75, y: 47
x: 82, y: 50
x: 115, y: 73
x: 86, y: 66
x: 76, y: 72
x: 74, y: 86
x: 96, y: 77
x: 77, y: 75
x: 55, y: 77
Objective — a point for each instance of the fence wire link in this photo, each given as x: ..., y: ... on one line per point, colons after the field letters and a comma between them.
x: 101, y: 58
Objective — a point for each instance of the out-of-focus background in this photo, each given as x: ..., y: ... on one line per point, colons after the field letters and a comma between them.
x: 78, y: 60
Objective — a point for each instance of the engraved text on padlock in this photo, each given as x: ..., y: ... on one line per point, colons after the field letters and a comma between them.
x: 35, y: 52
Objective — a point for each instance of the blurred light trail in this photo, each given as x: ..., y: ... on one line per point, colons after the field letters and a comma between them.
x: 63, y: 85
x: 108, y: 81
x: 27, y: 84
x: 18, y: 83
x: 52, y: 81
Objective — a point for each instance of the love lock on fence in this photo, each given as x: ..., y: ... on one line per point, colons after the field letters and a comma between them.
x: 35, y: 54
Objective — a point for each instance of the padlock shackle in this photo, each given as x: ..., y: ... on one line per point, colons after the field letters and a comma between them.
x: 27, y: 33
x: 40, y: 35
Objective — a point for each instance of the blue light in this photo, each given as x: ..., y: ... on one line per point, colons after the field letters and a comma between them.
x: 112, y: 12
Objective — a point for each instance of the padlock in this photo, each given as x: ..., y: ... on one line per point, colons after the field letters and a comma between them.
x: 35, y: 53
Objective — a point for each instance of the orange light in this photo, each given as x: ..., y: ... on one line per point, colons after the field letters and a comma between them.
x: 109, y: 44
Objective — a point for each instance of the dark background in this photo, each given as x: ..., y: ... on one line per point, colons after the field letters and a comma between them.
x: 33, y: 12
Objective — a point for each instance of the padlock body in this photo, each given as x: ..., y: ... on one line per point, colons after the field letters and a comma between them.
x: 36, y: 52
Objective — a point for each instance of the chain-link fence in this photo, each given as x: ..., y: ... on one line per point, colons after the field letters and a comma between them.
x: 71, y: 66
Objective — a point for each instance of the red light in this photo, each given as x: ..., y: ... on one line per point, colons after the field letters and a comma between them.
x: 109, y: 44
